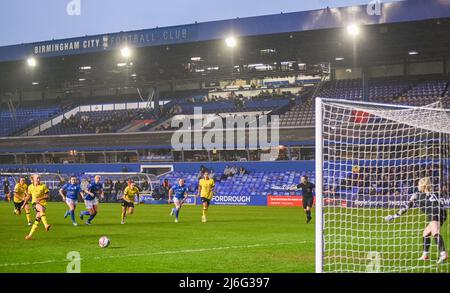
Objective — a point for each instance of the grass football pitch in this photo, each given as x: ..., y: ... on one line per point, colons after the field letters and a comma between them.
x: 234, y: 240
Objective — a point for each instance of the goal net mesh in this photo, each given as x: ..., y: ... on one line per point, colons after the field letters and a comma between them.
x: 372, y: 159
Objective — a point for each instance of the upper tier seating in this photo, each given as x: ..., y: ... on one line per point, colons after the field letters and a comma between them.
x: 98, y: 121
x: 24, y: 117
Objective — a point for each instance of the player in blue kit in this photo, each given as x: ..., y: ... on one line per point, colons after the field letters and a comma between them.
x: 69, y: 193
x: 93, y: 192
x: 179, y: 193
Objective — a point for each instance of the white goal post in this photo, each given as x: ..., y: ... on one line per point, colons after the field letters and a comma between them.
x: 369, y: 160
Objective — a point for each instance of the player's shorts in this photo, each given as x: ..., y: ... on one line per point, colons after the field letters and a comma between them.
x: 308, y: 202
x: 438, y: 216
x: 18, y: 205
x: 34, y: 206
x: 207, y: 200
x: 71, y: 201
x: 177, y: 200
x: 127, y: 204
x: 91, y: 203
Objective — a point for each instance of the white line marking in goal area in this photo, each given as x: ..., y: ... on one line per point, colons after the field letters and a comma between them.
x: 156, y: 253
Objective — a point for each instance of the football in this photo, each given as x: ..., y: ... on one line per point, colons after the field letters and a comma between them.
x: 104, y: 242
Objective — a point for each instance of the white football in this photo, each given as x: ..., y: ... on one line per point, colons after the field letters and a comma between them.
x: 104, y: 242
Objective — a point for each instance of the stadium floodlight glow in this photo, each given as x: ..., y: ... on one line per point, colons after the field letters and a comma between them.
x: 353, y: 30
x: 31, y: 62
x: 81, y: 79
x: 35, y: 83
x: 231, y: 42
x: 196, y: 58
x: 339, y: 58
x: 125, y: 52
x: 413, y: 52
x: 85, y: 68
x: 134, y: 75
x: 121, y: 64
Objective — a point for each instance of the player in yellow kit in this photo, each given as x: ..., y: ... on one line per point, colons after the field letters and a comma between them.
x: 206, y: 192
x: 39, y: 194
x: 20, y: 193
x: 128, y: 200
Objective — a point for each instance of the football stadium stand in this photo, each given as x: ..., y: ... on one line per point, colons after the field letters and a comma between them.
x: 13, y: 121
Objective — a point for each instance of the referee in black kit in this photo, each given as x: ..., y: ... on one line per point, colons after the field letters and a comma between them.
x: 307, y: 191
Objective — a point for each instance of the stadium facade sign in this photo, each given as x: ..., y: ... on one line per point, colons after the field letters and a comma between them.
x: 145, y: 38
x: 66, y: 46
x: 394, y: 12
x: 114, y: 41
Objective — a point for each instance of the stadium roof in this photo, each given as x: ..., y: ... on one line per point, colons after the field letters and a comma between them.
x: 328, y: 18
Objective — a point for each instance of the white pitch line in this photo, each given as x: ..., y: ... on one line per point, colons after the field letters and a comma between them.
x: 156, y: 253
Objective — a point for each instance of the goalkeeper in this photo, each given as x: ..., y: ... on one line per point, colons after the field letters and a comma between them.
x: 430, y: 205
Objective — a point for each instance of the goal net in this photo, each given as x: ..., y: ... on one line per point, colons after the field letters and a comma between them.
x: 369, y: 159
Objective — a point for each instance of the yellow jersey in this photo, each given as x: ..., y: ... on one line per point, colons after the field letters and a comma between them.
x: 130, y: 193
x: 20, y: 192
x: 207, y: 187
x: 38, y: 191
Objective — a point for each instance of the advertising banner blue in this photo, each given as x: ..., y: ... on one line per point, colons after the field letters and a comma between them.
x: 240, y: 200
x: 232, y: 200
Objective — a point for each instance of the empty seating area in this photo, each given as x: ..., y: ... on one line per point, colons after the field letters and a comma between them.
x: 294, y: 111
x: 98, y: 122
x: 300, y: 115
x: 349, y: 89
x: 415, y: 92
x: 230, y: 106
x: 257, y: 183
x: 12, y: 123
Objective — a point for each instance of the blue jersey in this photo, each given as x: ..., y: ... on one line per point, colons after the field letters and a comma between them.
x: 179, y: 191
x: 94, y: 188
x: 72, y: 190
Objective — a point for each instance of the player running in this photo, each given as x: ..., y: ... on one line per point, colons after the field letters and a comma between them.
x: 39, y: 194
x: 307, y: 191
x: 93, y: 192
x: 69, y: 193
x: 20, y: 193
x: 206, y: 192
x: 128, y: 200
x: 179, y: 193
x: 430, y: 205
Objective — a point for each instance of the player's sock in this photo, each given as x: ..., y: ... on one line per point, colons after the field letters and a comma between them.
x: 72, y: 215
x: 440, y: 242
x: 28, y: 215
x: 308, y: 214
x: 91, y: 217
x: 16, y: 211
x: 204, y: 212
x: 85, y: 213
x: 177, y: 212
x: 426, y: 244
x: 34, y: 227
x: 44, y: 219
x: 123, y: 216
